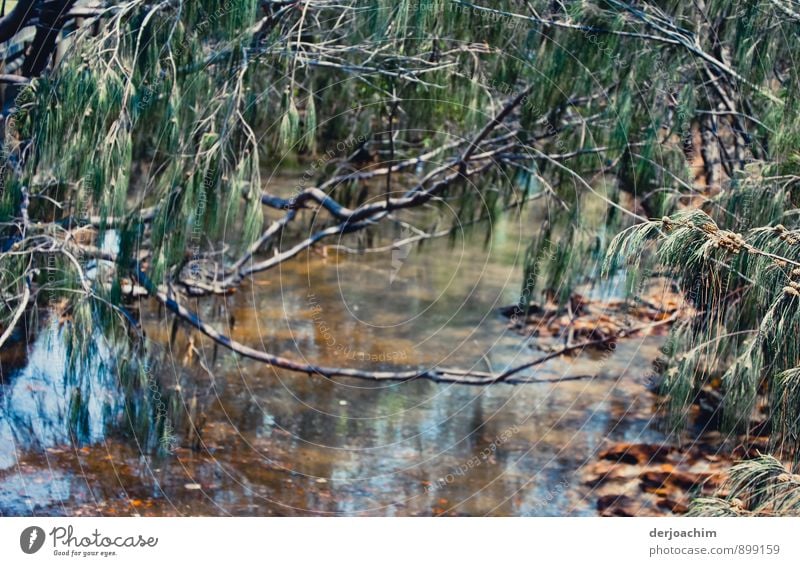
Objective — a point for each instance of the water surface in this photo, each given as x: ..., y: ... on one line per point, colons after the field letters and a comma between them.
x: 270, y: 442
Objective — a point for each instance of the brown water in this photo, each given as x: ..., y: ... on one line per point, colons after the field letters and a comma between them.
x: 269, y: 442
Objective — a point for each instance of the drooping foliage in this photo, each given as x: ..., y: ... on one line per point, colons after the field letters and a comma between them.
x: 761, y: 487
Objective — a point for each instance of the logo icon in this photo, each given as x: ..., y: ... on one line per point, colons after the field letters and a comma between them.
x: 400, y: 251
x: 31, y: 540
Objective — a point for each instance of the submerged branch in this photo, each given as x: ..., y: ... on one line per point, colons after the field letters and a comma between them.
x: 442, y: 375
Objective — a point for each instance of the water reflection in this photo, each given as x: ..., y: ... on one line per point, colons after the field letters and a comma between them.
x: 255, y: 441
x: 43, y: 405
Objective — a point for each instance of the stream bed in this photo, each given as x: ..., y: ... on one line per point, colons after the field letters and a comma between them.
x: 271, y: 442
